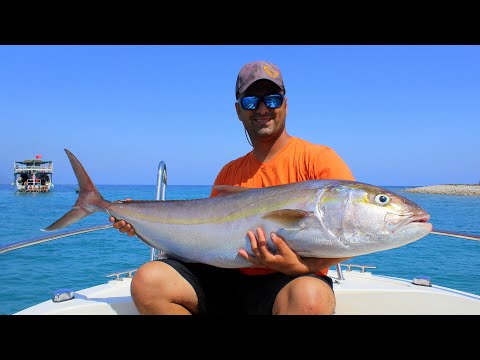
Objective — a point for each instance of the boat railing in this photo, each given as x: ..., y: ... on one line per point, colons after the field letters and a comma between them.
x: 42, y: 169
x: 160, y: 195
x: 33, y: 182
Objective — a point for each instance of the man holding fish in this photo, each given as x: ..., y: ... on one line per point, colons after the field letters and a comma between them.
x: 281, y: 282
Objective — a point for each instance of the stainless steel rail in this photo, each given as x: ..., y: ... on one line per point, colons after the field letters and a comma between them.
x: 160, y: 195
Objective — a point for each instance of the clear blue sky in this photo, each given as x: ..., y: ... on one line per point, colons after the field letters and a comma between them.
x: 397, y: 114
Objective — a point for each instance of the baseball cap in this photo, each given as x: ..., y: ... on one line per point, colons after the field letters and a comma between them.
x: 258, y: 70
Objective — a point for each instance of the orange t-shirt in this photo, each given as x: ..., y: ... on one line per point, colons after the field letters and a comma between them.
x: 299, y: 160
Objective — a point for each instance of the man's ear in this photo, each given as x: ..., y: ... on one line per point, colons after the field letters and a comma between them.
x: 237, y: 109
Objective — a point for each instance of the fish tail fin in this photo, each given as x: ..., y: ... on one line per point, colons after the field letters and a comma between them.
x: 69, y: 218
x: 89, y: 200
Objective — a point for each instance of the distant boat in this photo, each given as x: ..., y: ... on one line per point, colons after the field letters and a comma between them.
x: 33, y: 175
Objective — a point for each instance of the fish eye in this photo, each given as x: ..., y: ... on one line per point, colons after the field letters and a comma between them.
x: 382, y: 199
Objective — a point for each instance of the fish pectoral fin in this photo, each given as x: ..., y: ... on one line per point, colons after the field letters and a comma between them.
x: 287, y: 217
x: 229, y: 189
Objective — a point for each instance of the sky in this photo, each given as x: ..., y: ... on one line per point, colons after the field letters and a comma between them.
x: 399, y: 115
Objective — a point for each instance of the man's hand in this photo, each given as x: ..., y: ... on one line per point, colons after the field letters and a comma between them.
x: 122, y: 225
x: 284, y: 260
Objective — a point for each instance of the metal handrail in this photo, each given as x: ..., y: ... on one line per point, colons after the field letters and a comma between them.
x: 339, y: 271
x: 160, y: 195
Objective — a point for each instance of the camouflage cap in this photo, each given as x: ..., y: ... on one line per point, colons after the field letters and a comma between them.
x: 258, y: 70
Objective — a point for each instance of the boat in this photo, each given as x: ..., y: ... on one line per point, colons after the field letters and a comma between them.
x: 358, y: 290
x: 33, y: 176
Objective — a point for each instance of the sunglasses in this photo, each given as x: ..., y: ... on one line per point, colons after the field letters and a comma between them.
x: 273, y: 101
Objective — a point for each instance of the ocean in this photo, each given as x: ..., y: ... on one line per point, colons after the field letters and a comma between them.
x: 30, y: 275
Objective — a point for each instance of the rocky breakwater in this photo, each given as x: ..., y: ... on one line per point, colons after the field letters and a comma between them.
x: 449, y: 189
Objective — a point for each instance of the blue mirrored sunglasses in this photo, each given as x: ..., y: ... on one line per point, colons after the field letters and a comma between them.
x: 273, y: 101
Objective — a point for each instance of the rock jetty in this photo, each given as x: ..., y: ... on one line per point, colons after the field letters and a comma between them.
x: 450, y: 189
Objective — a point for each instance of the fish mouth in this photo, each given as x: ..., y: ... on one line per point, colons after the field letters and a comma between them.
x: 416, y: 219
x: 422, y: 218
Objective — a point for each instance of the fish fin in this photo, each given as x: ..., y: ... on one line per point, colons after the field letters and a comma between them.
x: 69, y: 218
x: 286, y: 217
x: 89, y: 199
x: 229, y: 189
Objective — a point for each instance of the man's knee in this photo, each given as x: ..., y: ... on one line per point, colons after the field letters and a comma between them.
x: 148, y: 281
x: 157, y: 288
x: 307, y: 296
x: 148, y: 274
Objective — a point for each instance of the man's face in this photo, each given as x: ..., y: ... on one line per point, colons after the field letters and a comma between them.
x: 263, y: 124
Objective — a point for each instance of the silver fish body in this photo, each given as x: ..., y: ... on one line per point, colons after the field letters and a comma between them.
x: 316, y: 218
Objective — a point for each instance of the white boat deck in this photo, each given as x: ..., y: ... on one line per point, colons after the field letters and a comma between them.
x: 359, y: 293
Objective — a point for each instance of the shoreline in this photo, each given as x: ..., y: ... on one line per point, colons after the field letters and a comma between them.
x: 448, y: 189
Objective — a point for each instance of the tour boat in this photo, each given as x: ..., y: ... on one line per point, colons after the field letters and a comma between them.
x: 33, y: 175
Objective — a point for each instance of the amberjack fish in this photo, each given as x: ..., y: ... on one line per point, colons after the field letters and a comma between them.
x: 316, y: 218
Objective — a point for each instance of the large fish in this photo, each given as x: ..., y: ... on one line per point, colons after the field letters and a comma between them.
x: 316, y: 218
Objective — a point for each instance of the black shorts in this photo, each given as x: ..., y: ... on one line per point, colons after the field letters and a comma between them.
x: 228, y: 292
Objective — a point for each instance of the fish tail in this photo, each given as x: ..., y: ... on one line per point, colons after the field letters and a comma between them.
x: 89, y: 199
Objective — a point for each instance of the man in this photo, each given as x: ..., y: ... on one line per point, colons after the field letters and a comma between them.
x: 280, y: 282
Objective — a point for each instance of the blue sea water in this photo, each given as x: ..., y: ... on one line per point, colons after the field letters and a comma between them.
x: 30, y: 275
